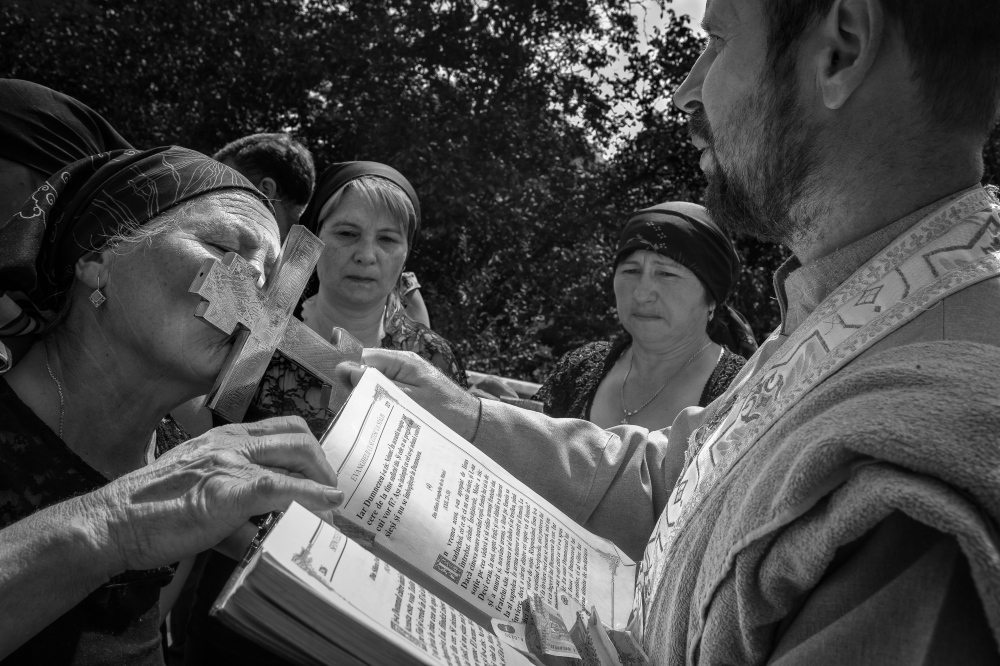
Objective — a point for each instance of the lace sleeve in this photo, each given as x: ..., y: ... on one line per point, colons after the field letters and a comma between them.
x: 288, y: 389
x: 168, y: 435
x: 725, y: 372
x: 567, y: 392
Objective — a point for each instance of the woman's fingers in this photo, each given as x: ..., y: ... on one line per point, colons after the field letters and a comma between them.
x: 275, y: 426
x: 275, y: 492
x: 298, y: 453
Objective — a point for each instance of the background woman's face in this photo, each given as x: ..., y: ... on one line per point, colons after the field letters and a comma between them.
x: 149, y: 314
x: 364, y: 254
x: 658, y: 299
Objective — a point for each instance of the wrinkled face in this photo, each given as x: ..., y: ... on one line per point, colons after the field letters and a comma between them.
x: 758, y: 147
x: 364, y: 254
x: 149, y: 310
x: 17, y: 182
x: 658, y: 299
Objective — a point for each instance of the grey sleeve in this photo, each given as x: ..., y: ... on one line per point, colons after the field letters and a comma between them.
x: 902, y: 594
x: 613, y: 482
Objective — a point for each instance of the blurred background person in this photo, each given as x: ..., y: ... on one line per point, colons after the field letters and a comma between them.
x: 41, y: 131
x: 681, y: 344
x: 368, y: 216
x: 280, y: 167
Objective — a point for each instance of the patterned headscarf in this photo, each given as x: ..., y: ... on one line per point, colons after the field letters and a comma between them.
x: 338, y: 175
x: 79, y: 208
x: 685, y: 233
x: 46, y: 130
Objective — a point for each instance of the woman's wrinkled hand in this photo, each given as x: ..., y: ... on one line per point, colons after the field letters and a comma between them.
x: 197, y: 494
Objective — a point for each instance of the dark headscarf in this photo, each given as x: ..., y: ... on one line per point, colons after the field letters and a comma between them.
x: 79, y: 208
x: 341, y: 174
x: 46, y: 130
x: 686, y: 234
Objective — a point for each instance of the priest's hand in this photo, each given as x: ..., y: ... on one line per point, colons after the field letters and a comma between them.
x: 427, y: 385
x: 207, y: 488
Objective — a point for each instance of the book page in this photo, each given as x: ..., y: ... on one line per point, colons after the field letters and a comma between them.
x: 422, y: 493
x: 377, y: 596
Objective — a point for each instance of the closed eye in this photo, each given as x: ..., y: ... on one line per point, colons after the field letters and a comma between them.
x: 221, y: 249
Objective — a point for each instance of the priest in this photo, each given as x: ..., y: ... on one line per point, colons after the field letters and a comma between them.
x: 839, y: 504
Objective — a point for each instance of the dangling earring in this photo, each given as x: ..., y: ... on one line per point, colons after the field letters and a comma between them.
x: 97, y: 298
x: 711, y: 313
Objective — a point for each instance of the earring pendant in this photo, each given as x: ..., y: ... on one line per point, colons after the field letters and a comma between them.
x: 97, y: 297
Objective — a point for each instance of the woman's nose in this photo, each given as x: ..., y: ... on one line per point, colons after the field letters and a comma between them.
x: 364, y: 251
x: 645, y: 290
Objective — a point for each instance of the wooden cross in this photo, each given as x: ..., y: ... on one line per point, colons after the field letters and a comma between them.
x: 265, y: 323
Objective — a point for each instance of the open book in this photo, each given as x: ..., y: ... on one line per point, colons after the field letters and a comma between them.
x: 451, y: 535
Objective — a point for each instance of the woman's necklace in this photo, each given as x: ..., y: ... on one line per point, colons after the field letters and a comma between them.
x: 150, y: 453
x: 630, y: 414
x: 62, y: 401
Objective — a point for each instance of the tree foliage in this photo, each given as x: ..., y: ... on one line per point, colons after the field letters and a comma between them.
x: 505, y: 114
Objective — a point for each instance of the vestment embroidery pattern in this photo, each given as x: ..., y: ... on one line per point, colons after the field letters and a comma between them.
x: 948, y: 251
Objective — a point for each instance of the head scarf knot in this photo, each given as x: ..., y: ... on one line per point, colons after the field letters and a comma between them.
x: 90, y: 201
x: 686, y: 234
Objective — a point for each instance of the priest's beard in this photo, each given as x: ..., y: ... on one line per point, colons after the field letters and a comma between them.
x: 763, y: 158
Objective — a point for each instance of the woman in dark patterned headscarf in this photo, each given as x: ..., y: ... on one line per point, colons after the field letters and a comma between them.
x: 682, y: 344
x: 41, y: 131
x: 111, y: 244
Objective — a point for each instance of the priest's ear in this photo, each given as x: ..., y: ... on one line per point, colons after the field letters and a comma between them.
x: 849, y: 38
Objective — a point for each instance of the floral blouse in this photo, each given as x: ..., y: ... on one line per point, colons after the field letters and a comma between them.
x: 569, y: 391
x: 288, y: 389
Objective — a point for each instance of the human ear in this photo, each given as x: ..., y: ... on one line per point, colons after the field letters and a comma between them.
x: 850, y: 37
x: 269, y: 188
x: 94, y: 269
